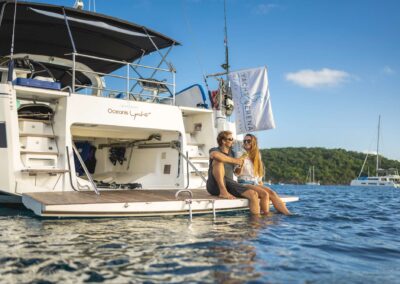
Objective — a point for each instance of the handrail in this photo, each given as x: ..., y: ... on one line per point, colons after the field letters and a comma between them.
x: 67, y: 88
x: 174, y: 145
x: 154, y: 89
x: 183, y: 190
x: 70, y: 170
x: 123, y: 77
x: 85, y: 169
x: 120, y: 62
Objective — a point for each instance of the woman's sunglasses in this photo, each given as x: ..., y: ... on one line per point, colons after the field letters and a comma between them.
x: 228, y: 139
x: 246, y: 141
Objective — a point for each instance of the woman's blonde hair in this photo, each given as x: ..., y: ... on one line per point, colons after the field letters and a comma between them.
x: 255, y: 156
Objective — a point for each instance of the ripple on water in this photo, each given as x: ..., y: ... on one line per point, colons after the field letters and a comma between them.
x: 56, y: 267
x: 94, y: 277
x: 337, y: 235
x: 111, y: 246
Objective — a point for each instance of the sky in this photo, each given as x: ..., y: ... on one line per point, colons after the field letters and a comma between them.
x: 333, y: 66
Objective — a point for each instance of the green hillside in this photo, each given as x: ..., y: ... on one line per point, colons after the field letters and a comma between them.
x: 332, y: 166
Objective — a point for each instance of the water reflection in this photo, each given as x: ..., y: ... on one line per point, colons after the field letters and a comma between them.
x: 130, y: 250
x: 337, y: 235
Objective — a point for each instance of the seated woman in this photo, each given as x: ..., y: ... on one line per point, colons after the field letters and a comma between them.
x: 252, y: 172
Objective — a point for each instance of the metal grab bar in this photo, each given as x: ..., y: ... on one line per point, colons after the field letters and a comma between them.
x: 175, y: 145
x: 184, y: 190
x: 85, y: 169
x: 190, y: 202
x: 70, y: 170
x: 187, y: 201
x: 213, y: 206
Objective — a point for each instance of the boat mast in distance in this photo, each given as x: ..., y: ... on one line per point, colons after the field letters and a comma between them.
x: 311, y: 177
x: 388, y: 178
x: 377, y: 146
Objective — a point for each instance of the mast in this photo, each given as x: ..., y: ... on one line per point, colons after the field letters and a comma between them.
x: 225, y: 103
x: 313, y: 174
x: 226, y: 64
x: 377, y: 146
x: 11, y: 62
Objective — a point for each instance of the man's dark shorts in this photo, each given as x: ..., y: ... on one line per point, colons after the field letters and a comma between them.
x: 233, y: 187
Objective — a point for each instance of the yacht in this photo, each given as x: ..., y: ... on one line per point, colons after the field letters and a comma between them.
x: 383, y: 177
x: 88, y: 129
x: 311, y: 177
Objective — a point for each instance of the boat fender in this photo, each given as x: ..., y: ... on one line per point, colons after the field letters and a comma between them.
x: 229, y: 105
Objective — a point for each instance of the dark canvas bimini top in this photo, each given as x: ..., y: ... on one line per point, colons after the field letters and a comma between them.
x: 41, y: 29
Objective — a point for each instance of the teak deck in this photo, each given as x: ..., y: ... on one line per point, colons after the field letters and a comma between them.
x: 115, y: 196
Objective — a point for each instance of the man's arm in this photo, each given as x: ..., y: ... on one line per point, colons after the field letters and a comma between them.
x: 215, y: 155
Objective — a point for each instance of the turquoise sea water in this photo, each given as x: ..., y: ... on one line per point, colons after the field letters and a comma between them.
x: 337, y: 235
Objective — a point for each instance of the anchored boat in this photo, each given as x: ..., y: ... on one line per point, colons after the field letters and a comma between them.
x: 383, y: 178
x: 311, y: 177
x: 73, y: 145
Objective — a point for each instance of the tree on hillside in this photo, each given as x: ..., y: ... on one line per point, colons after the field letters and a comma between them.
x: 332, y: 166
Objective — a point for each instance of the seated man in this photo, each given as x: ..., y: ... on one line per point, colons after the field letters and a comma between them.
x: 220, y: 176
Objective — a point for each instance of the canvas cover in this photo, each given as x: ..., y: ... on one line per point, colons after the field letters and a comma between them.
x: 41, y: 29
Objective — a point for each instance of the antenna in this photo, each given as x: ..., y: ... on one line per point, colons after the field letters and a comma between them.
x: 226, y: 64
x: 94, y: 5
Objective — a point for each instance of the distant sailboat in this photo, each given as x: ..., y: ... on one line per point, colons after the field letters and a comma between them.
x: 311, y: 177
x: 388, y: 178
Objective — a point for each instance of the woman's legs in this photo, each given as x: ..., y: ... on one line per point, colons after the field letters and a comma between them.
x: 279, y: 205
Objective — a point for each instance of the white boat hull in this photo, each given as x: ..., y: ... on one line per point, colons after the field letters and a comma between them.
x: 129, y: 203
x: 312, y: 183
x: 374, y: 182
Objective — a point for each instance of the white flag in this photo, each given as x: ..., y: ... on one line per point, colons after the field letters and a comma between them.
x: 250, y: 93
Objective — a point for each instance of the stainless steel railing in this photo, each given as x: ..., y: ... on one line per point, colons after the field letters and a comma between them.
x: 140, y: 88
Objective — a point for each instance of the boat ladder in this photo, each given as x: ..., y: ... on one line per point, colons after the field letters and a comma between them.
x: 189, y: 201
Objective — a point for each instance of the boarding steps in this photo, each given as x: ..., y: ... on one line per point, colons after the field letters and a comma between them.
x: 196, y: 154
x: 38, y: 147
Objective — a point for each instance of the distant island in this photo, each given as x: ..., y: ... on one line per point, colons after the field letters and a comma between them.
x: 332, y: 166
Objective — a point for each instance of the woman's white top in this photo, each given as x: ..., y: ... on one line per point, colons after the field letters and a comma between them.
x: 247, y: 173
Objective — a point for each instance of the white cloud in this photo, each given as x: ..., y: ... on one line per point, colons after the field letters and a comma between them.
x: 320, y: 78
x: 387, y: 70
x: 263, y: 9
